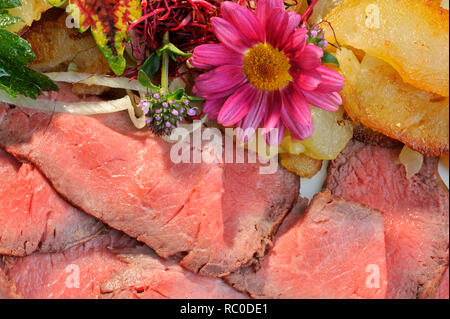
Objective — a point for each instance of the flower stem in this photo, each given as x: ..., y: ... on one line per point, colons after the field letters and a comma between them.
x: 165, y: 65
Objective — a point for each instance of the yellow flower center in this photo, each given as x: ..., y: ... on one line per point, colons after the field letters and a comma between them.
x: 267, y: 68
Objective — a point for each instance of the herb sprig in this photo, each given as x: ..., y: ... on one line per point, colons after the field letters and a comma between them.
x: 15, y: 53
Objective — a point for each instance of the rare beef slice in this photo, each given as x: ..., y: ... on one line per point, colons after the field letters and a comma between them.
x: 443, y: 290
x: 7, y: 288
x: 111, y: 265
x: 33, y: 216
x: 217, y: 217
x: 415, y: 213
x: 335, y: 250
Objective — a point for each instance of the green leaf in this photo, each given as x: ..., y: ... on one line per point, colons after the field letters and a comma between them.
x: 151, y: 65
x: 145, y: 81
x: 6, y: 19
x: 15, y: 53
x: 17, y: 78
x: 108, y: 20
x: 176, y: 95
x: 329, y: 58
x: 173, y: 49
x: 9, y: 4
x: 195, y: 98
x: 149, y: 68
x: 11, y: 45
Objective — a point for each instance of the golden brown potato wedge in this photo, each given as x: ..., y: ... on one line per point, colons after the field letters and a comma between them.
x: 410, y: 35
x: 56, y: 47
x: 29, y: 11
x: 302, y: 165
x: 332, y: 132
x: 376, y: 95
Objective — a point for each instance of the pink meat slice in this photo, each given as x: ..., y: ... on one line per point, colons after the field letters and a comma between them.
x: 442, y: 292
x: 7, y: 289
x: 217, y: 217
x: 415, y: 213
x: 33, y: 216
x: 110, y: 266
x: 335, y: 250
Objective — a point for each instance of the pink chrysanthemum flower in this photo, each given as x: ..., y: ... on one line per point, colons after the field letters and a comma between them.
x: 263, y: 73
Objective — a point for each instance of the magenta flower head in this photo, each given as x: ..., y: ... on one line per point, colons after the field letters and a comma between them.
x: 263, y: 73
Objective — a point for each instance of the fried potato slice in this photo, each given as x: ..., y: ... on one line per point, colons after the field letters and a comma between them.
x: 302, y: 165
x: 410, y: 35
x: 332, y: 132
x: 322, y: 8
x: 29, y: 11
x: 376, y: 95
x: 56, y: 47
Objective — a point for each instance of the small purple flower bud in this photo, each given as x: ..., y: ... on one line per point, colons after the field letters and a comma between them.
x: 166, y: 117
x: 165, y: 105
x: 168, y: 125
x: 171, y: 102
x: 181, y: 118
x: 148, y: 121
x: 157, y: 118
x: 178, y: 123
x: 192, y: 112
x: 186, y: 102
x: 145, y: 106
x: 324, y: 43
x: 158, y: 111
x: 175, y: 112
x: 177, y: 105
x: 163, y: 92
x: 182, y: 111
x: 314, y: 33
x: 156, y: 96
x: 307, y: 36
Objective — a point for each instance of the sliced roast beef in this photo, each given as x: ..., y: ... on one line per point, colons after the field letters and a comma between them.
x: 415, y: 213
x: 442, y: 292
x: 7, y: 289
x: 217, y: 216
x: 335, y: 250
x: 109, y: 266
x: 33, y: 216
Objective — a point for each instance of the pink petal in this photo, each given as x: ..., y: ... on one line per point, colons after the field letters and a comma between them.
x: 328, y: 101
x: 296, y: 42
x: 308, y: 79
x: 212, y: 107
x: 229, y: 35
x: 276, y: 26
x: 244, y: 20
x: 294, y: 21
x: 220, y: 79
x: 273, y: 114
x: 253, y: 118
x: 310, y: 57
x: 215, y: 95
x: 296, y: 114
x: 332, y: 81
x: 264, y: 8
x: 275, y: 135
x: 208, y: 56
x: 238, y: 105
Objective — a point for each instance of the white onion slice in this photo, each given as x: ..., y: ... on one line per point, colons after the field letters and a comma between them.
x: 412, y: 161
x: 90, y: 79
x: 78, y: 108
